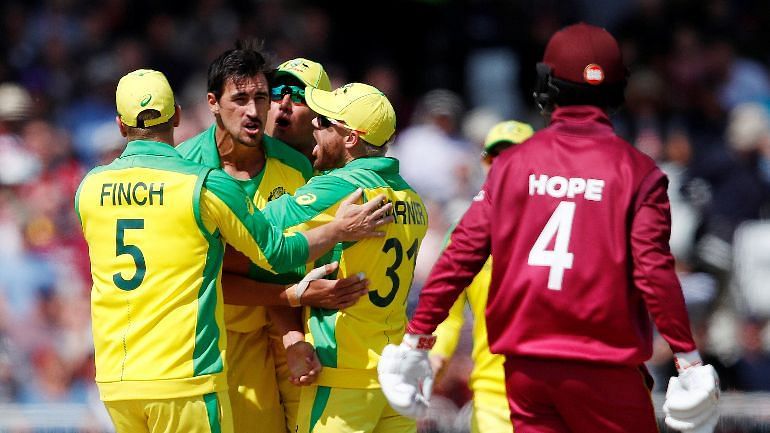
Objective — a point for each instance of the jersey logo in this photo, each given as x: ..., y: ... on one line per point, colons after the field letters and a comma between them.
x: 275, y: 193
x: 250, y: 206
x: 146, y: 100
x: 306, y: 199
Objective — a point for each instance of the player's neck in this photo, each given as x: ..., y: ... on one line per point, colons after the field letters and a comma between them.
x: 238, y: 160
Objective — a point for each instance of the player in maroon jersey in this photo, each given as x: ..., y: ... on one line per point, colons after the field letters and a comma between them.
x: 578, y: 223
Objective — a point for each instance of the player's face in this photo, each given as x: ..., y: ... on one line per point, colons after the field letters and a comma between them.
x: 290, y: 119
x: 242, y: 109
x: 329, y: 151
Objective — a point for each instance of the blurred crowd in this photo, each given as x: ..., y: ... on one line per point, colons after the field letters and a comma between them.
x: 698, y: 99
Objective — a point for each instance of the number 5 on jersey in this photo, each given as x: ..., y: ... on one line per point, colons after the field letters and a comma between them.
x: 132, y: 250
x: 558, y: 259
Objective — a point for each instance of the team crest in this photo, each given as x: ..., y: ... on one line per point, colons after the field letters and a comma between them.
x: 277, y: 192
x: 305, y: 199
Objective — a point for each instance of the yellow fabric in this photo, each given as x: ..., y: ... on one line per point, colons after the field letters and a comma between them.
x: 144, y: 89
x: 361, y: 106
x: 448, y: 332
x: 187, y: 414
x: 363, y: 330
x: 309, y: 72
x: 278, y: 179
x: 509, y: 131
x: 253, y: 389
x: 350, y: 411
x: 487, y: 374
x: 491, y: 413
x: 144, y: 342
x: 289, y: 392
x: 253, y: 379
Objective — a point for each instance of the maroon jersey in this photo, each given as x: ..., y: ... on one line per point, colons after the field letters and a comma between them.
x: 578, y: 224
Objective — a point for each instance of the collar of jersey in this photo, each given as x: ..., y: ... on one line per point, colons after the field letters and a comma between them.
x: 147, y: 147
x: 376, y: 163
x: 581, y: 120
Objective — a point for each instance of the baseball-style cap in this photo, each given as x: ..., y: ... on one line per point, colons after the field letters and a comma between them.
x: 510, y: 131
x: 309, y: 72
x: 144, y: 89
x: 583, y: 53
x: 361, y: 106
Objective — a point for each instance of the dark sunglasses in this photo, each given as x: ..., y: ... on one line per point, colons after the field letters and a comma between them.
x: 296, y: 94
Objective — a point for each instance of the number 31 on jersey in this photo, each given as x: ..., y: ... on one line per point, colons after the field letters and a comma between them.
x: 559, y: 258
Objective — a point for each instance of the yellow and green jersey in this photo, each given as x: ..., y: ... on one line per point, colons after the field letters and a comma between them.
x: 349, y: 341
x: 156, y: 226
x: 487, y: 374
x: 285, y: 170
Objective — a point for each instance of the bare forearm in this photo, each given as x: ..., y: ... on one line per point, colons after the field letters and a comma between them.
x: 288, y: 322
x: 321, y: 239
x: 239, y: 290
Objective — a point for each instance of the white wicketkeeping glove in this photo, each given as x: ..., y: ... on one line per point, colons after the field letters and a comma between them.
x: 405, y: 374
x: 692, y: 398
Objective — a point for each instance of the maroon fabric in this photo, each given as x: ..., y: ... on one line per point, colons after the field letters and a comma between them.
x: 621, y: 269
x: 574, y: 397
x: 573, y: 48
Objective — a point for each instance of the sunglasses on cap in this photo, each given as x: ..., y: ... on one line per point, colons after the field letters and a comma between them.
x: 296, y: 93
x: 326, y: 122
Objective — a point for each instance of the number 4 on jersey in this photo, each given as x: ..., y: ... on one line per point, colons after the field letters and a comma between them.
x: 558, y: 259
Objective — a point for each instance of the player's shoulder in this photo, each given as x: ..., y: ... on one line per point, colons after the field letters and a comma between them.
x: 198, y: 148
x: 287, y: 155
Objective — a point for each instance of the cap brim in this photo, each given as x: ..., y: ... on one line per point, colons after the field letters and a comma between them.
x: 325, y: 103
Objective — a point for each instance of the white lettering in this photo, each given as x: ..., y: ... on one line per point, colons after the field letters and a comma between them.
x: 556, y: 186
x: 594, y: 189
x: 559, y: 186
x: 537, y: 182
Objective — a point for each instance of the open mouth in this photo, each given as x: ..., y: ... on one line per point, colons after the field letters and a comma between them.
x: 252, y: 127
x: 282, y: 122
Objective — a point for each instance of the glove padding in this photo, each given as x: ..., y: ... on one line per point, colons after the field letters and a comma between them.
x: 406, y: 379
x: 692, y: 400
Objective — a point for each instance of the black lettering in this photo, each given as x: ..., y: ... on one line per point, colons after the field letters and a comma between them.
x: 158, y: 192
x: 124, y: 193
x: 399, y: 209
x: 420, y: 210
x: 104, y: 193
x: 133, y: 193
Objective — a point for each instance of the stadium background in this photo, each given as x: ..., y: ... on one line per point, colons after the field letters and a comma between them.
x: 697, y: 102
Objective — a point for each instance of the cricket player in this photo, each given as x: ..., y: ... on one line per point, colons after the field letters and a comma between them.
x: 577, y: 222
x: 290, y: 120
x: 156, y: 227
x: 239, y: 97
x: 355, y: 123
x: 487, y: 380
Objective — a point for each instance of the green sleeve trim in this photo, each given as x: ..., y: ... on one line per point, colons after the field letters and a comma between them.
x: 322, y: 323
x: 77, y: 200
x: 320, y: 401
x: 309, y: 201
x: 277, y: 149
x: 204, y: 172
x: 202, y: 148
x: 258, y: 274
x: 207, y: 358
x: 212, y: 410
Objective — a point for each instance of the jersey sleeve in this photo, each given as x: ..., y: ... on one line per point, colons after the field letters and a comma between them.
x: 448, y: 332
x: 465, y: 255
x: 311, y: 205
x: 226, y: 210
x: 653, y: 271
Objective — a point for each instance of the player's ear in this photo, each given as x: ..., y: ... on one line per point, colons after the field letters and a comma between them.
x: 177, y: 115
x: 352, y: 139
x: 121, y: 127
x: 213, y: 103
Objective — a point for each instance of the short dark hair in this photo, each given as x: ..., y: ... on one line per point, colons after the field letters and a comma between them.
x: 242, y: 62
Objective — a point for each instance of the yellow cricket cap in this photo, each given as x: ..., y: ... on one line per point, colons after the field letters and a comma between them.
x: 144, y: 89
x: 309, y: 72
x: 509, y: 131
x: 361, y: 106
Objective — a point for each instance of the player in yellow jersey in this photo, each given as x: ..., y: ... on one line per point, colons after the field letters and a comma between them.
x: 353, y: 128
x: 156, y: 227
x: 490, y: 405
x: 239, y: 96
x: 290, y: 120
